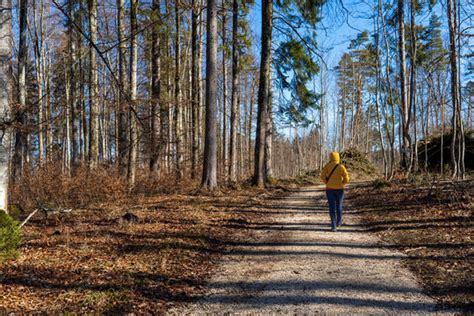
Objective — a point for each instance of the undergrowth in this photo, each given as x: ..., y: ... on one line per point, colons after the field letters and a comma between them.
x: 10, y: 237
x: 50, y: 187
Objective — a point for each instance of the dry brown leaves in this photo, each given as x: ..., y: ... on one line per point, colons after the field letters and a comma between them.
x: 433, y: 225
x: 92, y: 261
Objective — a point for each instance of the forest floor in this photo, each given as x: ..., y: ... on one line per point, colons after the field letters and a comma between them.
x: 432, y: 224
x: 402, y: 249
x: 294, y: 264
x: 102, y: 260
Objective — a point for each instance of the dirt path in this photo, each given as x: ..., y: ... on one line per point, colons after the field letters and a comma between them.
x: 297, y: 265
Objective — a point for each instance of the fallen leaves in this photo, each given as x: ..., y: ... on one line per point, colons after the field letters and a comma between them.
x: 433, y: 226
x: 91, y: 262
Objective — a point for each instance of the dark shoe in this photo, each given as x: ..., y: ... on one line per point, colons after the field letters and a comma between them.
x: 334, y: 229
x: 339, y: 224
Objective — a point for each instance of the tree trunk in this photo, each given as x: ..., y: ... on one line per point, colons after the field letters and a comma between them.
x: 122, y: 137
x: 413, y: 74
x: 209, y: 177
x: 235, y: 93
x: 155, y: 147
x: 195, y: 93
x: 93, y: 88
x: 5, y: 93
x: 269, y: 137
x: 178, y: 110
x: 72, y: 83
x: 66, y: 139
x: 321, y: 121
x: 20, y: 109
x: 263, y: 93
x: 456, y: 120
x: 39, y: 71
x: 134, y: 139
x: 377, y: 90
x: 390, y: 121
x: 404, y: 111
x: 224, y: 89
x: 249, y: 127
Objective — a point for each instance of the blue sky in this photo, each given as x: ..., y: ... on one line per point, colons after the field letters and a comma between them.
x: 340, y: 22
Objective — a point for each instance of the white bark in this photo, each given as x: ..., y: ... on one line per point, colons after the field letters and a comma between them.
x: 5, y: 59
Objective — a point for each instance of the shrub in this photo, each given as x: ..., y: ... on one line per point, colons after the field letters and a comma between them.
x: 9, y: 237
x: 380, y: 184
x: 50, y: 187
x: 357, y: 161
x: 432, y: 145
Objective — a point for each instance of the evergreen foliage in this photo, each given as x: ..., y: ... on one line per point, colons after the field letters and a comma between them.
x: 10, y: 237
x: 294, y: 60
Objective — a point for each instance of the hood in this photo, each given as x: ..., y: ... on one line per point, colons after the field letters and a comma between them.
x: 334, y: 156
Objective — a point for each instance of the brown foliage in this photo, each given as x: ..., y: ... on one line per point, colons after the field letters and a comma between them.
x: 50, y: 187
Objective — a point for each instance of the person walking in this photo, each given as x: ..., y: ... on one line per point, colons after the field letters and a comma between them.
x: 335, y: 176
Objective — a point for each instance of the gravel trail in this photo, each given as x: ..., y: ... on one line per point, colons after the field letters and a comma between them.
x: 296, y: 265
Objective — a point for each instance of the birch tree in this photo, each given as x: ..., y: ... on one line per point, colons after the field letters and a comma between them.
x: 5, y: 93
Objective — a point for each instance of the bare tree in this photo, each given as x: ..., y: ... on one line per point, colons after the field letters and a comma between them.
x: 178, y: 113
x: 209, y: 177
x: 263, y: 93
x: 93, y: 87
x: 19, y: 154
x: 122, y: 143
x: 134, y: 140
x: 405, y: 112
x: 235, y: 93
x: 457, y: 143
x: 73, y: 84
x: 155, y: 148
x: 196, y: 85
x: 5, y: 90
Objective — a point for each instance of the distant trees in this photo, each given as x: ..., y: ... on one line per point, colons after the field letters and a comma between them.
x: 122, y: 84
x: 422, y: 96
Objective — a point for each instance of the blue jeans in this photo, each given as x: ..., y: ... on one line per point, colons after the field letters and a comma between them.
x: 335, y: 199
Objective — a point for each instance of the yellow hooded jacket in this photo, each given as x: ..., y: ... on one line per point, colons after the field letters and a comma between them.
x: 339, y: 178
